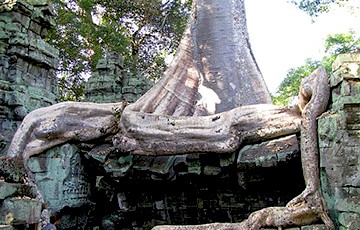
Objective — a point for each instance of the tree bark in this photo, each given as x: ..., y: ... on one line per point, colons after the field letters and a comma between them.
x: 47, y: 127
x: 152, y: 134
x: 214, y: 69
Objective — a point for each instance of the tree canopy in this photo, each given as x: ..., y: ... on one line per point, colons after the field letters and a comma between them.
x: 143, y: 31
x: 316, y: 7
x: 335, y: 44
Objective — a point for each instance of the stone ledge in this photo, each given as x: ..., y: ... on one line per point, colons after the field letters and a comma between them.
x: 269, y: 153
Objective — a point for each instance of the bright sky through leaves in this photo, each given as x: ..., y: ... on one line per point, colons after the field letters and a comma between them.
x: 282, y: 36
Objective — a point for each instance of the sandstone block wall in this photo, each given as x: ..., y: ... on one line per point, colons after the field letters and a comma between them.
x: 111, y: 83
x: 339, y: 139
x: 27, y: 64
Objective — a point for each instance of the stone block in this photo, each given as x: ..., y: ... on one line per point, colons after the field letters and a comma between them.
x: 60, y: 175
x: 348, y: 204
x: 134, y: 81
x: 162, y: 164
x: 331, y: 127
x: 314, y: 227
x: 3, y: 36
x: 111, y: 166
x: 11, y: 28
x: 211, y: 170
x: 100, y: 153
x: 344, y: 59
x: 102, y: 64
x: 24, y: 7
x: 352, y: 191
x: 351, y: 221
x: 143, y: 163
x: 42, y: 59
x: 129, y: 89
x: 24, y: 210
x: 44, y: 47
x: 6, y: 18
x: 269, y: 153
x: 8, y: 189
x: 129, y: 97
x: 227, y: 159
x: 24, y: 20
x: 194, y: 168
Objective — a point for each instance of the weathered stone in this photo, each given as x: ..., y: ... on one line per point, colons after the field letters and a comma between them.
x: 143, y: 163
x: 9, y: 189
x: 110, y: 83
x: 38, y: 2
x: 314, y: 227
x: 117, y: 170
x: 349, y: 220
x: 349, y: 204
x: 59, y: 174
x: 269, y: 153
x: 13, y: 169
x: 194, y: 165
x: 27, y: 62
x: 100, y: 153
x: 339, y: 141
x: 24, y: 210
x: 211, y: 170
x: 345, y: 59
x: 227, y: 159
x: 162, y: 164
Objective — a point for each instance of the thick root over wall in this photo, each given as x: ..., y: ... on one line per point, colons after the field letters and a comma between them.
x: 153, y: 134
x: 309, y: 206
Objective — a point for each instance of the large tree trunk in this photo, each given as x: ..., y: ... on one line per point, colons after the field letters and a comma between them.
x: 215, y: 75
x: 214, y: 69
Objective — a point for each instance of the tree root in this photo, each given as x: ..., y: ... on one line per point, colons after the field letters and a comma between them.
x: 297, y: 215
x: 153, y: 134
x: 310, y: 205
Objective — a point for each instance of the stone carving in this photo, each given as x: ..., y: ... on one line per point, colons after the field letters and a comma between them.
x: 60, y: 176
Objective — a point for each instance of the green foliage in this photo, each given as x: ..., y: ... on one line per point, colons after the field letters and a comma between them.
x: 334, y: 45
x: 290, y: 86
x: 342, y: 43
x: 140, y: 30
x: 71, y: 88
x: 316, y: 7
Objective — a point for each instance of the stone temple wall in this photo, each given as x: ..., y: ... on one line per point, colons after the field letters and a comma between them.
x: 339, y: 139
x: 27, y: 64
x: 111, y: 83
